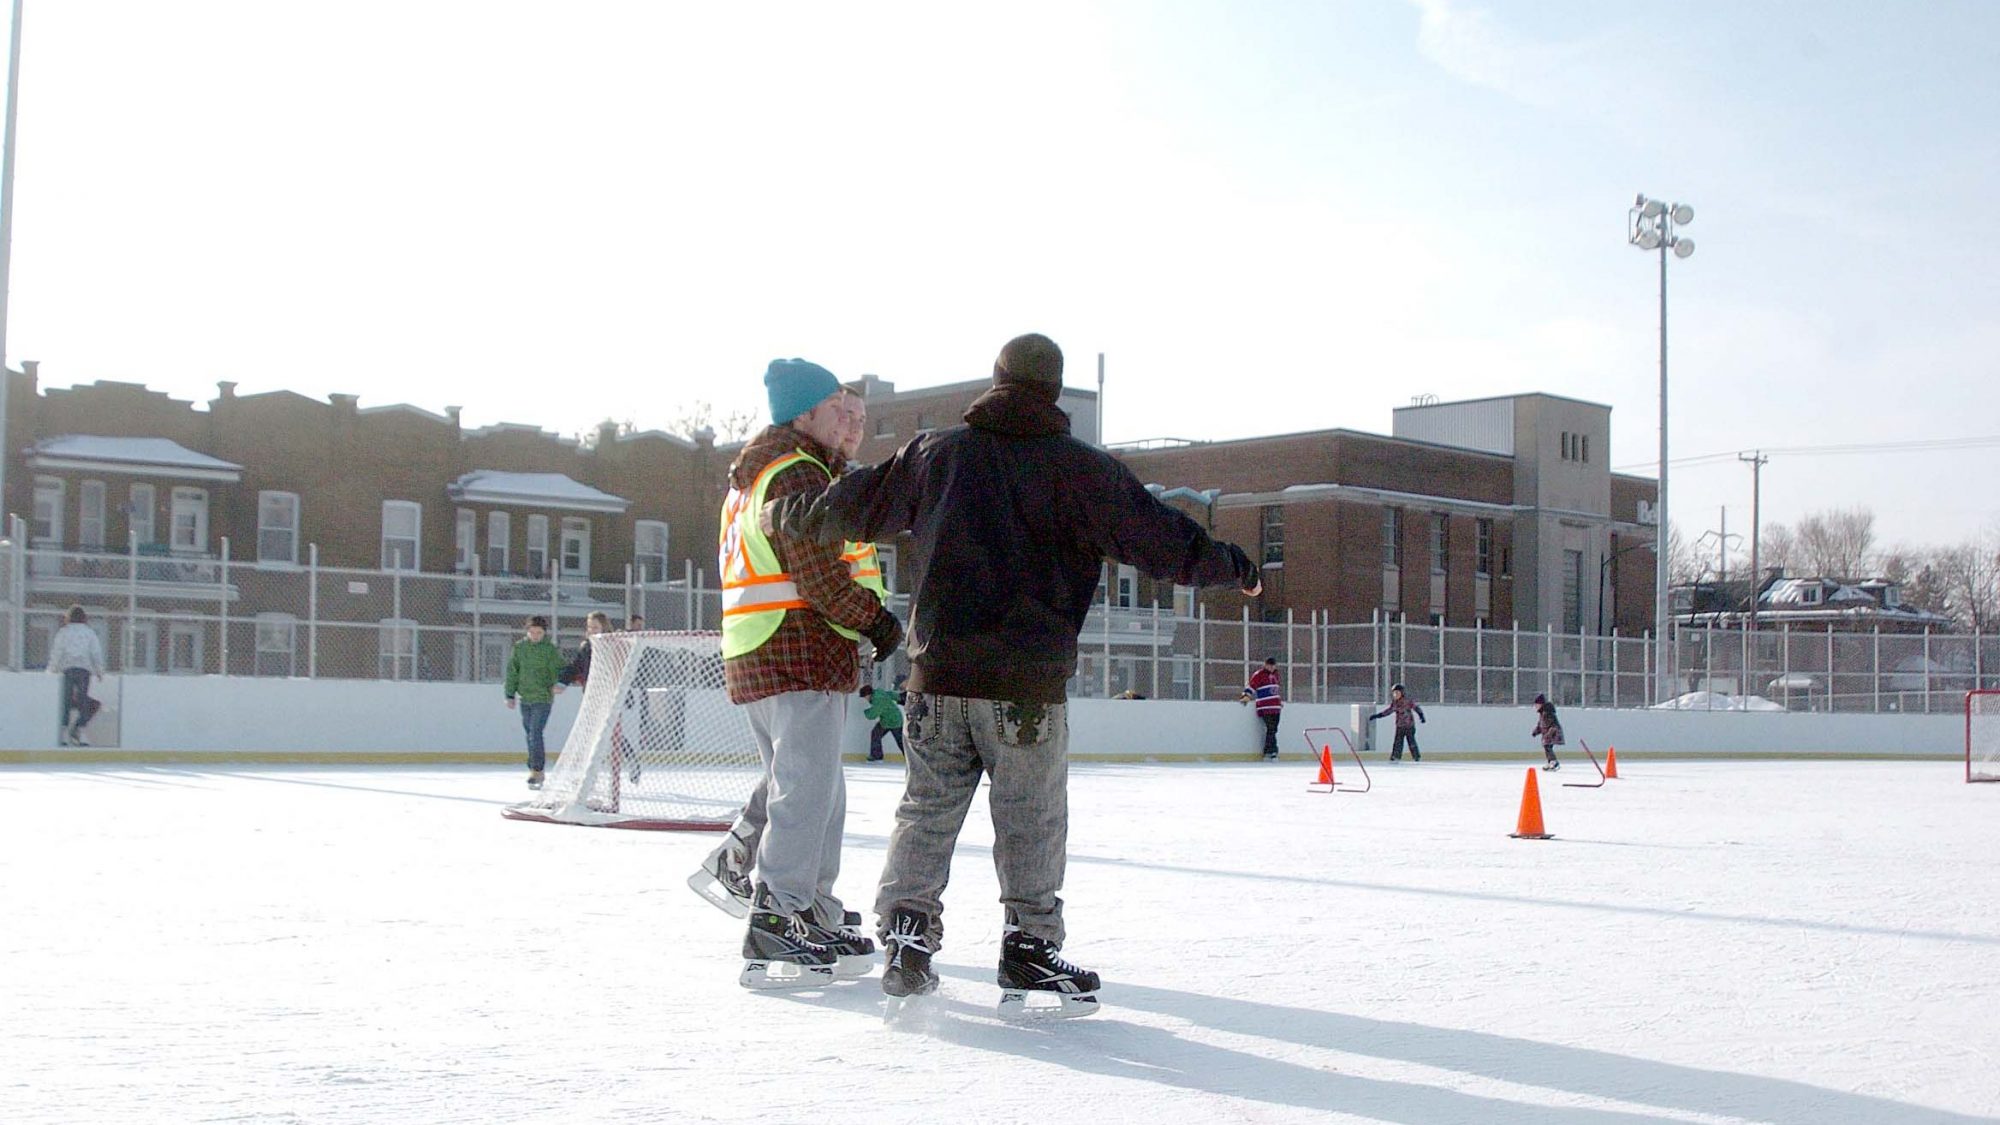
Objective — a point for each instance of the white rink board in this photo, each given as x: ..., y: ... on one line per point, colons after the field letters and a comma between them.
x: 1702, y: 942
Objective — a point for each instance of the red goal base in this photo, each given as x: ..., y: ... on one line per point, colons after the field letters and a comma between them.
x: 641, y: 824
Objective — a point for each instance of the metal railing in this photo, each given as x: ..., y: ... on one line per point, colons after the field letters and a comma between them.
x: 212, y: 614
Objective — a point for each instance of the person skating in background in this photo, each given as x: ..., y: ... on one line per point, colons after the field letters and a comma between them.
x: 1549, y: 729
x: 577, y: 672
x: 1012, y: 519
x: 1265, y: 690
x: 533, y: 671
x: 1408, y: 715
x: 76, y: 655
x: 888, y: 721
x: 792, y: 615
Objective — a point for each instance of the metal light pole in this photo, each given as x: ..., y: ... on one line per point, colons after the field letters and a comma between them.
x: 1650, y: 225
x: 7, y: 233
x: 1756, y: 461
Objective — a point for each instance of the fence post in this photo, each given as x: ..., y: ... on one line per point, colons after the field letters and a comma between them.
x: 478, y: 625
x: 1615, y: 697
x: 1440, y: 655
x: 312, y: 608
x: 222, y: 602
x: 1156, y: 646
x: 1927, y: 670
x: 1829, y: 668
x: 1517, y: 662
x: 1110, y: 586
x: 555, y: 610
x: 396, y: 634
x: 687, y: 588
x: 1877, y: 659
x: 1201, y: 649
x: 131, y: 598
x: 628, y: 597
x: 1291, y: 664
x: 1549, y: 660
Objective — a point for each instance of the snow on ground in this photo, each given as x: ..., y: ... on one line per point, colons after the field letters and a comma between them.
x: 1810, y: 942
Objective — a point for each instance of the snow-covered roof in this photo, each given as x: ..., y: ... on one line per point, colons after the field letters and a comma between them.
x: 533, y: 490
x: 136, y: 456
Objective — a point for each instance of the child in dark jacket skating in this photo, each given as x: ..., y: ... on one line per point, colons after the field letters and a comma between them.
x: 1549, y: 728
x: 1408, y: 715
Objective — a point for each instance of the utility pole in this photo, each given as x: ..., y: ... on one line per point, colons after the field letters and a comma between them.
x: 1756, y: 462
x: 7, y: 235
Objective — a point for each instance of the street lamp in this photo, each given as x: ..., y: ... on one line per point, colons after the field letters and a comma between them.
x: 1651, y: 225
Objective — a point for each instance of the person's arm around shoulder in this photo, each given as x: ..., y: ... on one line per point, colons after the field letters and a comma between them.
x: 866, y: 505
x: 821, y: 575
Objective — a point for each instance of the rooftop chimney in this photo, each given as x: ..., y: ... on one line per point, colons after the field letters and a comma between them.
x: 225, y: 388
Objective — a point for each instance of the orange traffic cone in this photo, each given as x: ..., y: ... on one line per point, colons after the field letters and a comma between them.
x: 1529, y: 827
x: 1611, y: 762
x: 1325, y: 766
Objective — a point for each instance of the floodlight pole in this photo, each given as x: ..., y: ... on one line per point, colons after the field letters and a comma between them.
x: 1650, y: 226
x: 7, y: 233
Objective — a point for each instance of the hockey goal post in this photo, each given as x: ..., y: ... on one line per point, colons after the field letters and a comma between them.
x: 1982, y: 736
x: 656, y: 743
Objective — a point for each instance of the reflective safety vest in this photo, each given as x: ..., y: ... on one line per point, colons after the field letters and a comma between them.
x: 756, y: 591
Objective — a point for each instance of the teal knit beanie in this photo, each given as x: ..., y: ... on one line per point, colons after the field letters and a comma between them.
x: 795, y: 386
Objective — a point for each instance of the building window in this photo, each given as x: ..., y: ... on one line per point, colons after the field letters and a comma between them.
x: 576, y: 546
x: 1486, y: 548
x: 139, y: 513
x: 1583, y: 448
x: 885, y: 561
x: 90, y: 515
x: 47, y: 530
x: 1809, y: 595
x: 923, y: 422
x: 1274, y: 535
x: 884, y: 427
x: 397, y: 649
x: 465, y: 541
x: 1392, y: 538
x: 494, y: 649
x: 188, y: 520
x: 1440, y: 541
x: 402, y: 524
x: 1184, y: 601
x: 499, y: 531
x: 1572, y: 580
x: 277, y: 527
x: 649, y: 550
x: 184, y: 648
x: 277, y: 644
x: 536, y: 552
x: 143, y: 635
x: 1127, y: 594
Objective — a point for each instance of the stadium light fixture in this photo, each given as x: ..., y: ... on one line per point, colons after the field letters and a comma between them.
x: 1651, y: 225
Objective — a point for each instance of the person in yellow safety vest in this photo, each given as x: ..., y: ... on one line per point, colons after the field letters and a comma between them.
x: 724, y: 876
x: 791, y: 614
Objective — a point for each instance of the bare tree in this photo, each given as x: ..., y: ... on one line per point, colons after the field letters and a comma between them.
x: 1969, y: 576
x: 1837, y: 543
x: 1920, y: 581
x: 731, y: 425
x: 1683, y: 567
x: 1778, y: 546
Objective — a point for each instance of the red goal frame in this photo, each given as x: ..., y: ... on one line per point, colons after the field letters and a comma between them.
x: 1970, y: 707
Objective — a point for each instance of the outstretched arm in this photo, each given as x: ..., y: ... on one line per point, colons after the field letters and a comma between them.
x: 1133, y: 526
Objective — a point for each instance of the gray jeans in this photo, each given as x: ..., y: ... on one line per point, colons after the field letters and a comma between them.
x: 804, y: 798
x: 952, y: 742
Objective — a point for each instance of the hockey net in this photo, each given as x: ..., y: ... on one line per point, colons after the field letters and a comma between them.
x: 1982, y: 736
x: 656, y: 744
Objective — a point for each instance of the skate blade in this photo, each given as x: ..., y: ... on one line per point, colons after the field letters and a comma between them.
x: 763, y: 976
x: 705, y: 885
x: 915, y: 1009
x: 854, y: 966
x: 1036, y: 1004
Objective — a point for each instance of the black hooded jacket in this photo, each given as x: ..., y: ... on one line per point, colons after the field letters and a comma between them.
x: 1011, y: 518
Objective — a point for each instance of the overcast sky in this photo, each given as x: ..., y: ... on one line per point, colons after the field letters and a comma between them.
x: 1269, y: 216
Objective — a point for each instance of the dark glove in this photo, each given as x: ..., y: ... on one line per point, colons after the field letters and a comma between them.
x: 1248, y: 574
x: 885, y: 634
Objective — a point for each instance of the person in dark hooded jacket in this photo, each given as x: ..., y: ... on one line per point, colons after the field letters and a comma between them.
x: 1012, y: 519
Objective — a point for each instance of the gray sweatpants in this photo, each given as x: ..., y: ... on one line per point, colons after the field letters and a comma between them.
x: 798, y: 738
x: 952, y: 742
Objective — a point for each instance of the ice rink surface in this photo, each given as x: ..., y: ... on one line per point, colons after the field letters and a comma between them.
x: 1809, y: 942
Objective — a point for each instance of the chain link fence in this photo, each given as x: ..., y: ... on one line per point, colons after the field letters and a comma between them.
x: 161, y: 612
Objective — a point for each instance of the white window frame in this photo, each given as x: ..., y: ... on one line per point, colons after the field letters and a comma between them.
x: 1184, y: 603
x: 1392, y: 538
x: 1484, y: 548
x: 191, y: 503
x: 197, y: 636
x: 141, y: 516
x: 885, y: 561
x: 465, y: 540
x: 277, y: 637
x: 535, y: 552
x: 143, y: 643
x: 1271, y: 535
x: 1126, y: 595
x: 45, y: 529
x: 277, y: 544
x: 90, y: 515
x: 576, y: 546
x: 1440, y: 542
x: 648, y: 565
x: 495, y: 647
x: 499, y: 541
x: 396, y: 649
x: 393, y: 557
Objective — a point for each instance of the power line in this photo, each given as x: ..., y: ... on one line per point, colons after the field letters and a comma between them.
x: 1925, y: 445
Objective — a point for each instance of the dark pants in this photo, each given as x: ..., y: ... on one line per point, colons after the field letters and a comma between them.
x: 1409, y: 735
x: 76, y: 698
x: 534, y: 720
x: 875, y: 742
x: 1271, y: 733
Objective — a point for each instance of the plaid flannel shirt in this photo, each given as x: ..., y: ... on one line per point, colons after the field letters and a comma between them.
x: 804, y: 654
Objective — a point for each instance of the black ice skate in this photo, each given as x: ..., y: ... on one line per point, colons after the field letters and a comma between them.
x: 856, y: 951
x: 724, y: 880
x: 534, y: 779
x: 907, y: 957
x: 1032, y: 973
x: 1552, y: 764
x: 779, y: 950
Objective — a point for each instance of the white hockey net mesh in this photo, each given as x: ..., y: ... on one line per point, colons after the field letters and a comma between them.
x: 1982, y: 736
x: 656, y: 744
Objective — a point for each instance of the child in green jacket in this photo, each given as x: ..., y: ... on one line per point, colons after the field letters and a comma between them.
x: 888, y: 720
x: 532, y: 673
